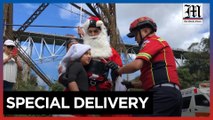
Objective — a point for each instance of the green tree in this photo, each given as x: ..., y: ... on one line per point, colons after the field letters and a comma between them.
x: 27, y: 85
x: 57, y: 87
x: 197, y: 64
x: 185, y: 77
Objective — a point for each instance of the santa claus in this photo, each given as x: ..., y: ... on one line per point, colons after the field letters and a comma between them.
x: 94, y: 33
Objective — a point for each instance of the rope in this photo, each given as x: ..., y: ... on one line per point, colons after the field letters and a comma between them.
x: 69, y: 10
x: 81, y: 15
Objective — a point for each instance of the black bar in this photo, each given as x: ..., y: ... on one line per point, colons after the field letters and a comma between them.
x: 66, y: 106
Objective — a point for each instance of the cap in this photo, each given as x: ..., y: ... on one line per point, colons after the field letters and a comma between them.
x: 9, y: 42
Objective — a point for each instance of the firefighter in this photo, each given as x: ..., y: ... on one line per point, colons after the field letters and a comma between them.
x: 156, y: 62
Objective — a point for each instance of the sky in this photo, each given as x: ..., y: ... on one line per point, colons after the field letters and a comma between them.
x: 168, y: 18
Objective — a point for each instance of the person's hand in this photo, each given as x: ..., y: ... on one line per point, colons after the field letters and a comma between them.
x: 15, y: 56
x: 80, y: 32
x: 114, y: 67
x: 128, y: 84
x: 10, y: 56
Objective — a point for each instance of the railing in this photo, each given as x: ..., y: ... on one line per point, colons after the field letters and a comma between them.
x: 32, y: 65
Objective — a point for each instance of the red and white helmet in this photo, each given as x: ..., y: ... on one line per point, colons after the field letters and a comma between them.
x: 142, y: 22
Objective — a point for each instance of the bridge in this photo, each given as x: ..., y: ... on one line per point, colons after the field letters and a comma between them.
x: 60, y: 40
x: 47, y: 40
x: 51, y: 42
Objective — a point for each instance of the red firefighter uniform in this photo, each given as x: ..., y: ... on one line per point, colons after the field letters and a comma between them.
x: 159, y: 64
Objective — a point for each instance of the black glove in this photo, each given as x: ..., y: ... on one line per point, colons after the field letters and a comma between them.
x: 128, y: 84
x: 114, y: 75
x: 113, y: 66
x: 114, y: 70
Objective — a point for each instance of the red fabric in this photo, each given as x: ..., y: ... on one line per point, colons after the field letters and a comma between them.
x: 92, y: 88
x: 116, y: 57
x: 94, y: 18
x: 155, y: 50
x: 106, y: 85
x: 101, y: 84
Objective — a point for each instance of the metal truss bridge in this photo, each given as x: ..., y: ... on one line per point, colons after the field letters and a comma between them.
x: 48, y: 47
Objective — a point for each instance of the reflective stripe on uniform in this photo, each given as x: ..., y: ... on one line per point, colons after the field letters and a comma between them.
x: 148, y: 56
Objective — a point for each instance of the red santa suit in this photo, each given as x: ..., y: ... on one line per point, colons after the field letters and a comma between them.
x: 101, y: 52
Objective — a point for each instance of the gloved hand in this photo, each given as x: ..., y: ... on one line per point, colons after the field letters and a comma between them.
x: 106, y: 71
x: 128, y: 84
x: 114, y: 75
x: 114, y: 67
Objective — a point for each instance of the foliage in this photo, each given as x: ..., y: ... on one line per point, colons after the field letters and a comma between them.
x: 197, y: 65
x: 185, y: 77
x: 27, y: 85
x: 57, y: 87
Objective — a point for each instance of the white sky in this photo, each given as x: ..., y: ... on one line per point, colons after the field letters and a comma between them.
x: 167, y: 16
x: 169, y: 22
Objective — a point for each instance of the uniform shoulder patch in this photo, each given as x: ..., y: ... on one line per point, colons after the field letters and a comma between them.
x: 144, y: 43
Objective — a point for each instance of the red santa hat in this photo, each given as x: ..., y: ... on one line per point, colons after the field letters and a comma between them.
x: 93, y: 22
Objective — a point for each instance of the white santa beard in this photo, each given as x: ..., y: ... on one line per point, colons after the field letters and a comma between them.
x: 100, y: 47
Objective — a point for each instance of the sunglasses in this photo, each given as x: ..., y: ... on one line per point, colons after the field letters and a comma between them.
x: 10, y: 47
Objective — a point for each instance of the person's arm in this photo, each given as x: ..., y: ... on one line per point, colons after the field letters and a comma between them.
x: 73, y: 86
x: 7, y: 59
x: 131, y: 67
x: 70, y: 80
x: 80, y: 32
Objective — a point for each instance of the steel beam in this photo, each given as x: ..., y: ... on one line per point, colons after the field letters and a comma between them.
x: 85, y: 11
x: 93, y: 10
x: 40, y: 9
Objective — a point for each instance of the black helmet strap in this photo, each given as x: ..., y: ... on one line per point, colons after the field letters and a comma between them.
x: 142, y: 38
